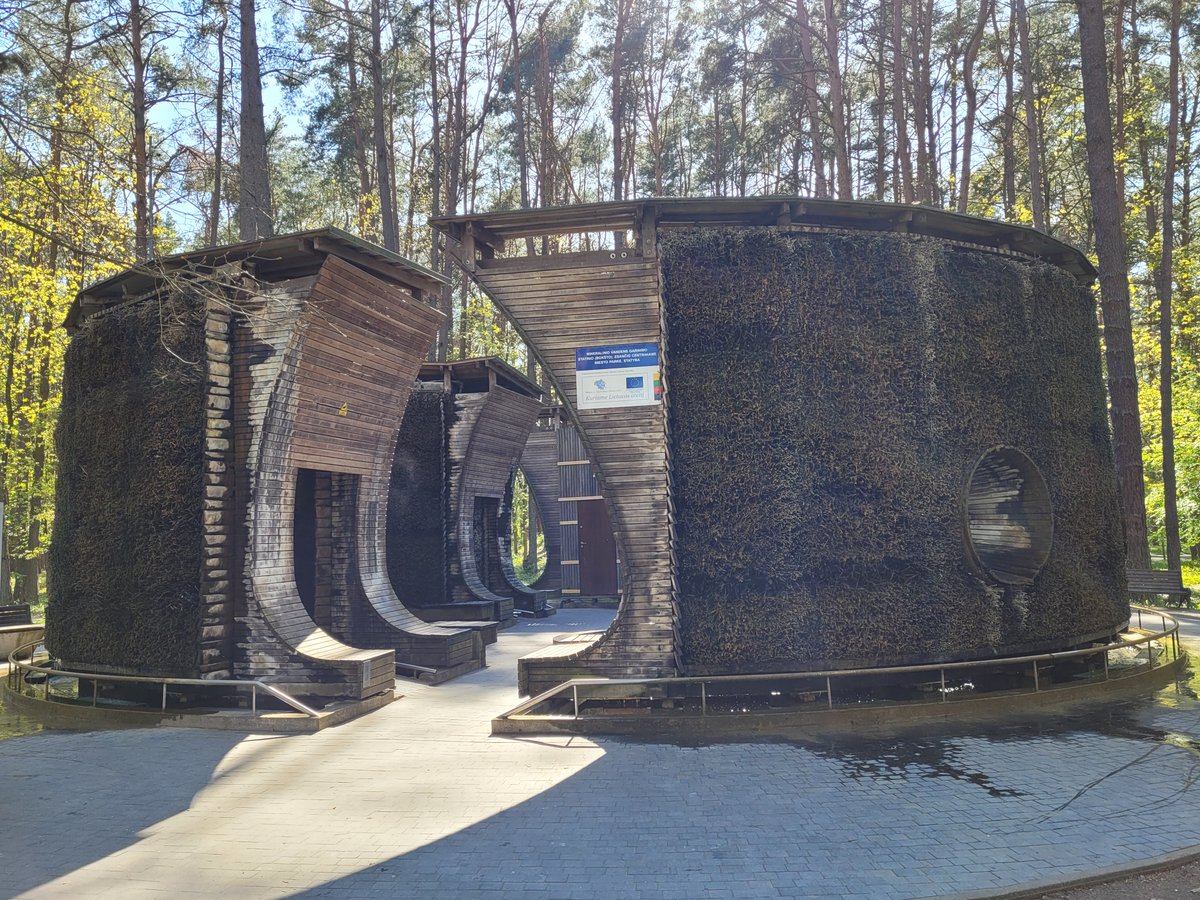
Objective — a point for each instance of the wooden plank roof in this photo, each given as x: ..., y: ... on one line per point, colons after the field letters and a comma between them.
x: 494, y: 229
x: 274, y: 258
x: 478, y: 368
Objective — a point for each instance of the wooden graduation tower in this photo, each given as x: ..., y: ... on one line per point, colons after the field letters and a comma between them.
x: 291, y: 361
x: 881, y: 439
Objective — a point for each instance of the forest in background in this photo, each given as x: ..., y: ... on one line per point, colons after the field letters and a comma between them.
x: 135, y: 128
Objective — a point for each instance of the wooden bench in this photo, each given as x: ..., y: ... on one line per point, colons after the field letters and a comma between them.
x: 15, y: 615
x: 1159, y: 583
x: 532, y: 602
x: 459, y: 611
x: 17, y: 629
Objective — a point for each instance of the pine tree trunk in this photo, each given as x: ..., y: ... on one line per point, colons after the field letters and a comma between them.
x: 838, y: 106
x: 383, y: 165
x: 141, y: 166
x: 899, y: 114
x: 1037, y: 203
x: 1114, y: 281
x: 356, y: 123
x: 1165, y: 289
x: 972, y: 98
x: 1006, y: 130
x: 812, y: 98
x: 214, y: 208
x: 255, y: 219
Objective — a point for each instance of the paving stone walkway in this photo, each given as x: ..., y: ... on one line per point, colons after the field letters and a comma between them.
x: 417, y: 800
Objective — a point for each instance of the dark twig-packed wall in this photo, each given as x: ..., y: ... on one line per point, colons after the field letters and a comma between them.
x: 830, y: 396
x: 416, y: 520
x: 125, y: 562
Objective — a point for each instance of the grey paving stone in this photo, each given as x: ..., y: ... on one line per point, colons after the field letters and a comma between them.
x: 417, y: 800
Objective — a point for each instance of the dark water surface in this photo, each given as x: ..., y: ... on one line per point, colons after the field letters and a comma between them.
x: 13, y: 724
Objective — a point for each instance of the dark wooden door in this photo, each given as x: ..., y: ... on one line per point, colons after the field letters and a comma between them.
x: 597, y: 550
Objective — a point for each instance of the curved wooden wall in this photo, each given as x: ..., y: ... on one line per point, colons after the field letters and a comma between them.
x: 592, y: 300
x: 485, y: 443
x: 340, y: 359
x: 279, y: 641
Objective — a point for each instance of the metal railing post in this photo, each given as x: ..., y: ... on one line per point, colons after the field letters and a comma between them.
x: 95, y: 690
x: 829, y: 691
x: 1036, y: 684
x: 164, y: 703
x: 943, y: 671
x: 575, y: 698
x: 254, y: 698
x: 703, y: 700
x: 1105, y: 652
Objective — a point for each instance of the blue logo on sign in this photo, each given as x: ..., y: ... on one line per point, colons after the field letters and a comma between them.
x: 634, y: 382
x: 600, y: 383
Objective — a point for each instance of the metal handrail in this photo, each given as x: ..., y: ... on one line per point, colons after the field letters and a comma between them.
x: 572, y: 685
x: 16, y: 666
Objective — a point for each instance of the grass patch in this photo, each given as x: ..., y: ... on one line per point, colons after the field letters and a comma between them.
x: 1191, y: 576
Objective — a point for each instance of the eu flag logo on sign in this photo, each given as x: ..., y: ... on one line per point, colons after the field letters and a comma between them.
x: 634, y: 381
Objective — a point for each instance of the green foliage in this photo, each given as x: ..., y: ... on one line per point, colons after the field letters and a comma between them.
x: 483, y: 331
x: 528, y: 568
x: 62, y: 226
x: 829, y: 397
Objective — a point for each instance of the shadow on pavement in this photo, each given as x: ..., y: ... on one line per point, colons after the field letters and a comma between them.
x: 50, y: 832
x: 910, y: 815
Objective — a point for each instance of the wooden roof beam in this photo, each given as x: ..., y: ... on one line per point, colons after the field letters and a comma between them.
x: 427, y: 286
x: 484, y: 235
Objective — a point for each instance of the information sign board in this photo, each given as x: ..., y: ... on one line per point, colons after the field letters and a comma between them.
x: 618, y: 375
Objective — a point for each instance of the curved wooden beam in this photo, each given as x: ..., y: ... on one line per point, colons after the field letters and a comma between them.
x: 348, y: 352
x: 559, y: 304
x: 486, y: 439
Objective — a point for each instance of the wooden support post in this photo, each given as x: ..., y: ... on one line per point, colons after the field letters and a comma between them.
x: 648, y: 230
x: 468, y: 249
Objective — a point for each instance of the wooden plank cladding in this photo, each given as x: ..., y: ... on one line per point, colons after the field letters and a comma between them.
x: 577, y: 483
x: 558, y: 307
x: 491, y: 409
x: 351, y: 357
x: 358, y: 357
x: 312, y: 343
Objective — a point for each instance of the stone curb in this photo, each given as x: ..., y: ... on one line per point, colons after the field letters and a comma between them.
x: 1040, y: 888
